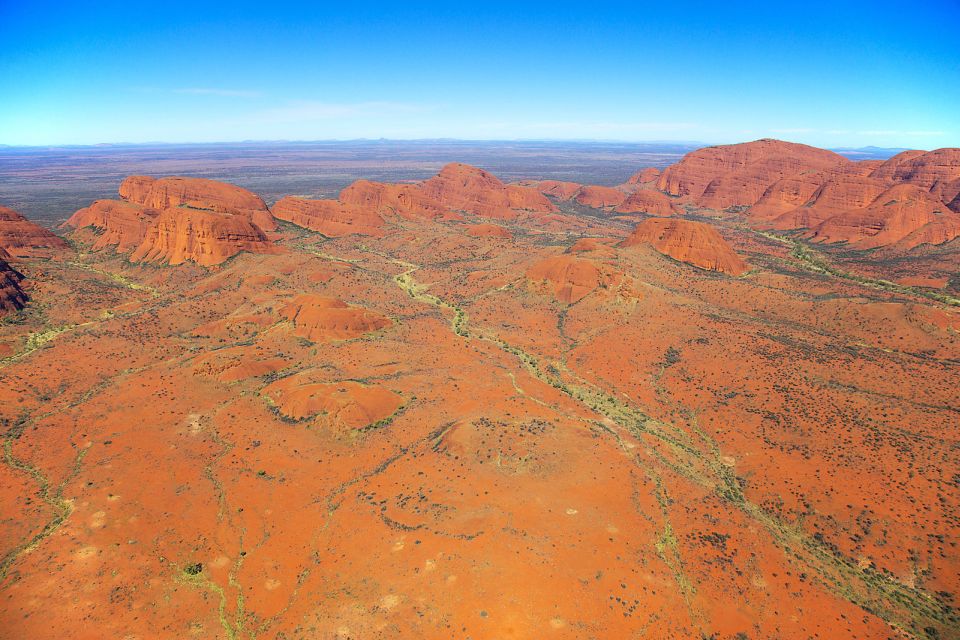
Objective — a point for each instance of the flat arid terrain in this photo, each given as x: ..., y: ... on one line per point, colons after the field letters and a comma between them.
x: 463, y: 391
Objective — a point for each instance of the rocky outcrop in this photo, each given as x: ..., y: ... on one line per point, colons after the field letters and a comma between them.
x: 121, y: 224
x: 338, y: 405
x: 458, y: 190
x: 320, y: 319
x: 740, y: 174
x: 558, y: 189
x: 569, y: 278
x: 600, y: 197
x: 176, y: 220
x: 647, y: 201
x: 488, y: 231
x: 197, y: 193
x: 332, y: 218
x: 695, y: 243
x: 12, y: 296
x: 463, y: 188
x: 205, y: 237
x: 22, y: 238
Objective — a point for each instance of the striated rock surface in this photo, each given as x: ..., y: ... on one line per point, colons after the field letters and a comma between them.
x: 196, y: 193
x: 332, y: 218
x: 12, y: 297
x: 929, y: 170
x: 568, y: 277
x: 122, y: 224
x: 647, y: 201
x: 205, y: 237
x: 739, y: 174
x: 835, y: 195
x: 321, y: 319
x: 22, y: 238
x: 695, y: 243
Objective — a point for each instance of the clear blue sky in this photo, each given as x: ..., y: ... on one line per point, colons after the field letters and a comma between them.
x: 826, y: 73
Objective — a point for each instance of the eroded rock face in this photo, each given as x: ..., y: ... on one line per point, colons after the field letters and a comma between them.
x: 695, y: 243
x: 22, y: 238
x: 901, y: 211
x: 196, y: 193
x: 836, y: 195
x: 319, y: 319
x: 332, y: 218
x: 929, y: 170
x: 739, y: 174
x: 122, y: 224
x: 205, y: 237
x: 12, y: 297
x: 568, y: 277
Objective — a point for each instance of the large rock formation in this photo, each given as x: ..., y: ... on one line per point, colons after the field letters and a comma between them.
x: 695, y: 243
x: 205, y: 237
x: 463, y: 188
x: 739, y: 174
x: 836, y: 195
x: 122, y: 224
x: 904, y: 210
x: 196, y: 193
x: 176, y: 220
x: 22, y: 238
x: 332, y: 218
x: 321, y: 319
x: 12, y: 296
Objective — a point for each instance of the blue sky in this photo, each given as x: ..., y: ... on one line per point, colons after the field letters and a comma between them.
x: 825, y: 73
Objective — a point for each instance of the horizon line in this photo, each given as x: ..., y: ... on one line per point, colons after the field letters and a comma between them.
x: 691, y: 143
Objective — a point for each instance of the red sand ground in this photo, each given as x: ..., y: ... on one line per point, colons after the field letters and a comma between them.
x: 439, y: 432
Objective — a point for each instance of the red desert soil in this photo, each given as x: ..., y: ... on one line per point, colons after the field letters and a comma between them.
x: 428, y: 432
x: 696, y: 243
x: 22, y: 238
